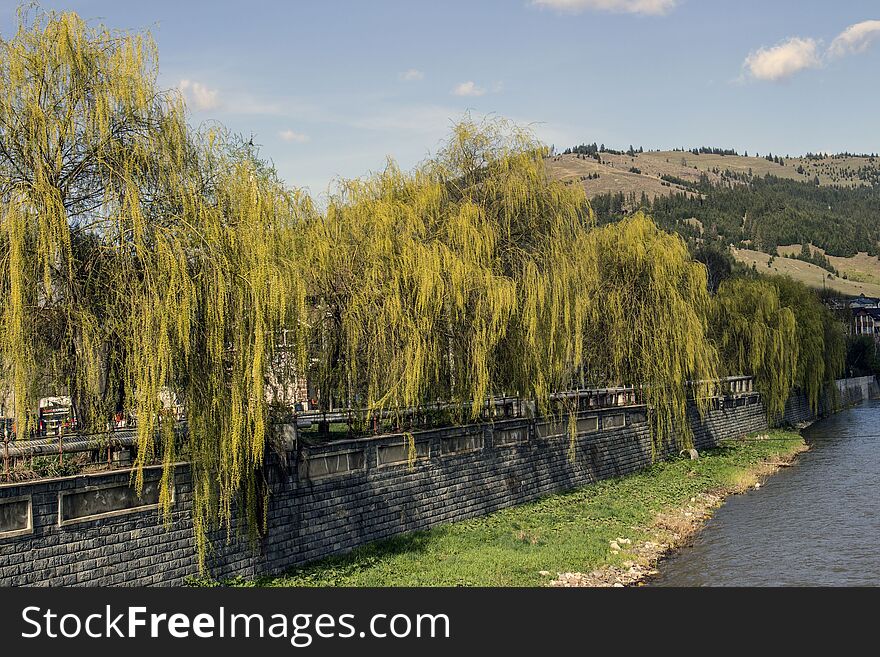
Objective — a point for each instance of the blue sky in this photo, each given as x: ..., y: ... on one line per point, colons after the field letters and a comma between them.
x: 331, y: 88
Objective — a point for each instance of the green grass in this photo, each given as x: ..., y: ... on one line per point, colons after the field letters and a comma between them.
x: 559, y: 533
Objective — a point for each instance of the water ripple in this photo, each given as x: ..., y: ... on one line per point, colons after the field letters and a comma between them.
x: 815, y: 524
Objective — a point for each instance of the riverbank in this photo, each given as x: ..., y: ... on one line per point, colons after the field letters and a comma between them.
x: 812, y: 525
x: 611, y: 533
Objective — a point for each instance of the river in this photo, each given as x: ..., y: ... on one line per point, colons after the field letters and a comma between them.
x: 814, y: 524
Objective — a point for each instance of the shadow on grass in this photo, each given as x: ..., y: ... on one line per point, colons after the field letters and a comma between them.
x: 336, y: 570
x: 561, y: 532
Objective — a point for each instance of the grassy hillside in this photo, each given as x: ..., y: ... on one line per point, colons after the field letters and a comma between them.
x: 860, y: 268
x: 616, y: 171
x: 760, y: 206
x: 812, y: 275
x: 844, y: 171
x: 616, y: 175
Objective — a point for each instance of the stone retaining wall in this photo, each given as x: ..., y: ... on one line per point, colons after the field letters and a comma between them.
x: 844, y: 392
x: 330, y: 498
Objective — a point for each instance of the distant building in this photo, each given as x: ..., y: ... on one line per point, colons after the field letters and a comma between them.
x: 835, y: 303
x: 862, y: 301
x: 866, y: 321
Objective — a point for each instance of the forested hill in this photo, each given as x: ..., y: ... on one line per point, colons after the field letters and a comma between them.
x: 755, y: 202
x: 766, y: 213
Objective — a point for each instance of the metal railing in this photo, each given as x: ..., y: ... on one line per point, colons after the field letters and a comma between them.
x: 110, y: 443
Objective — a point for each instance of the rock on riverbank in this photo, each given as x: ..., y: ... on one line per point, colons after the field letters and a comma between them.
x: 672, y: 529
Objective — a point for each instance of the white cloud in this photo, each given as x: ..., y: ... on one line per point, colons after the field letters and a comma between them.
x: 783, y: 60
x: 797, y: 54
x: 290, y: 135
x: 645, y: 7
x: 854, y: 39
x: 468, y: 88
x: 411, y: 75
x: 199, y: 95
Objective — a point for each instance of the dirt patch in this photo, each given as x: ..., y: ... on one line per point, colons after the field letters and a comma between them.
x: 671, y: 530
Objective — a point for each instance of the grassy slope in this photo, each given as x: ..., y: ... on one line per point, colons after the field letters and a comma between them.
x: 812, y: 275
x: 860, y: 268
x: 615, y: 175
x: 559, y: 533
x: 831, y: 171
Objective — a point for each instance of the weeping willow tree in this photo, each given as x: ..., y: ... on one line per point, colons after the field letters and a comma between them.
x: 457, y: 280
x: 145, y: 265
x: 777, y: 330
x: 757, y: 335
x: 478, y: 274
x: 140, y: 262
x: 646, y: 321
x: 821, y: 345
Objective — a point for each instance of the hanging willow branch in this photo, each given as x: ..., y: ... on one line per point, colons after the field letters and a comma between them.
x: 647, y: 321
x: 455, y: 281
x: 478, y: 274
x: 777, y: 330
x: 141, y: 264
x: 147, y: 266
x: 821, y: 346
x: 757, y: 335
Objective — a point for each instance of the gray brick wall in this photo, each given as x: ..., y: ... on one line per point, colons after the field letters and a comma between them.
x: 844, y: 392
x: 331, y: 514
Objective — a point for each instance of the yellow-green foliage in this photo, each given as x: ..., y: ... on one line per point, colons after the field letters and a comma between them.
x: 646, y: 319
x: 820, y: 360
x: 756, y: 335
x: 140, y: 262
x: 67, y: 166
x: 777, y: 330
x: 460, y: 279
x: 477, y: 274
x: 145, y: 265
